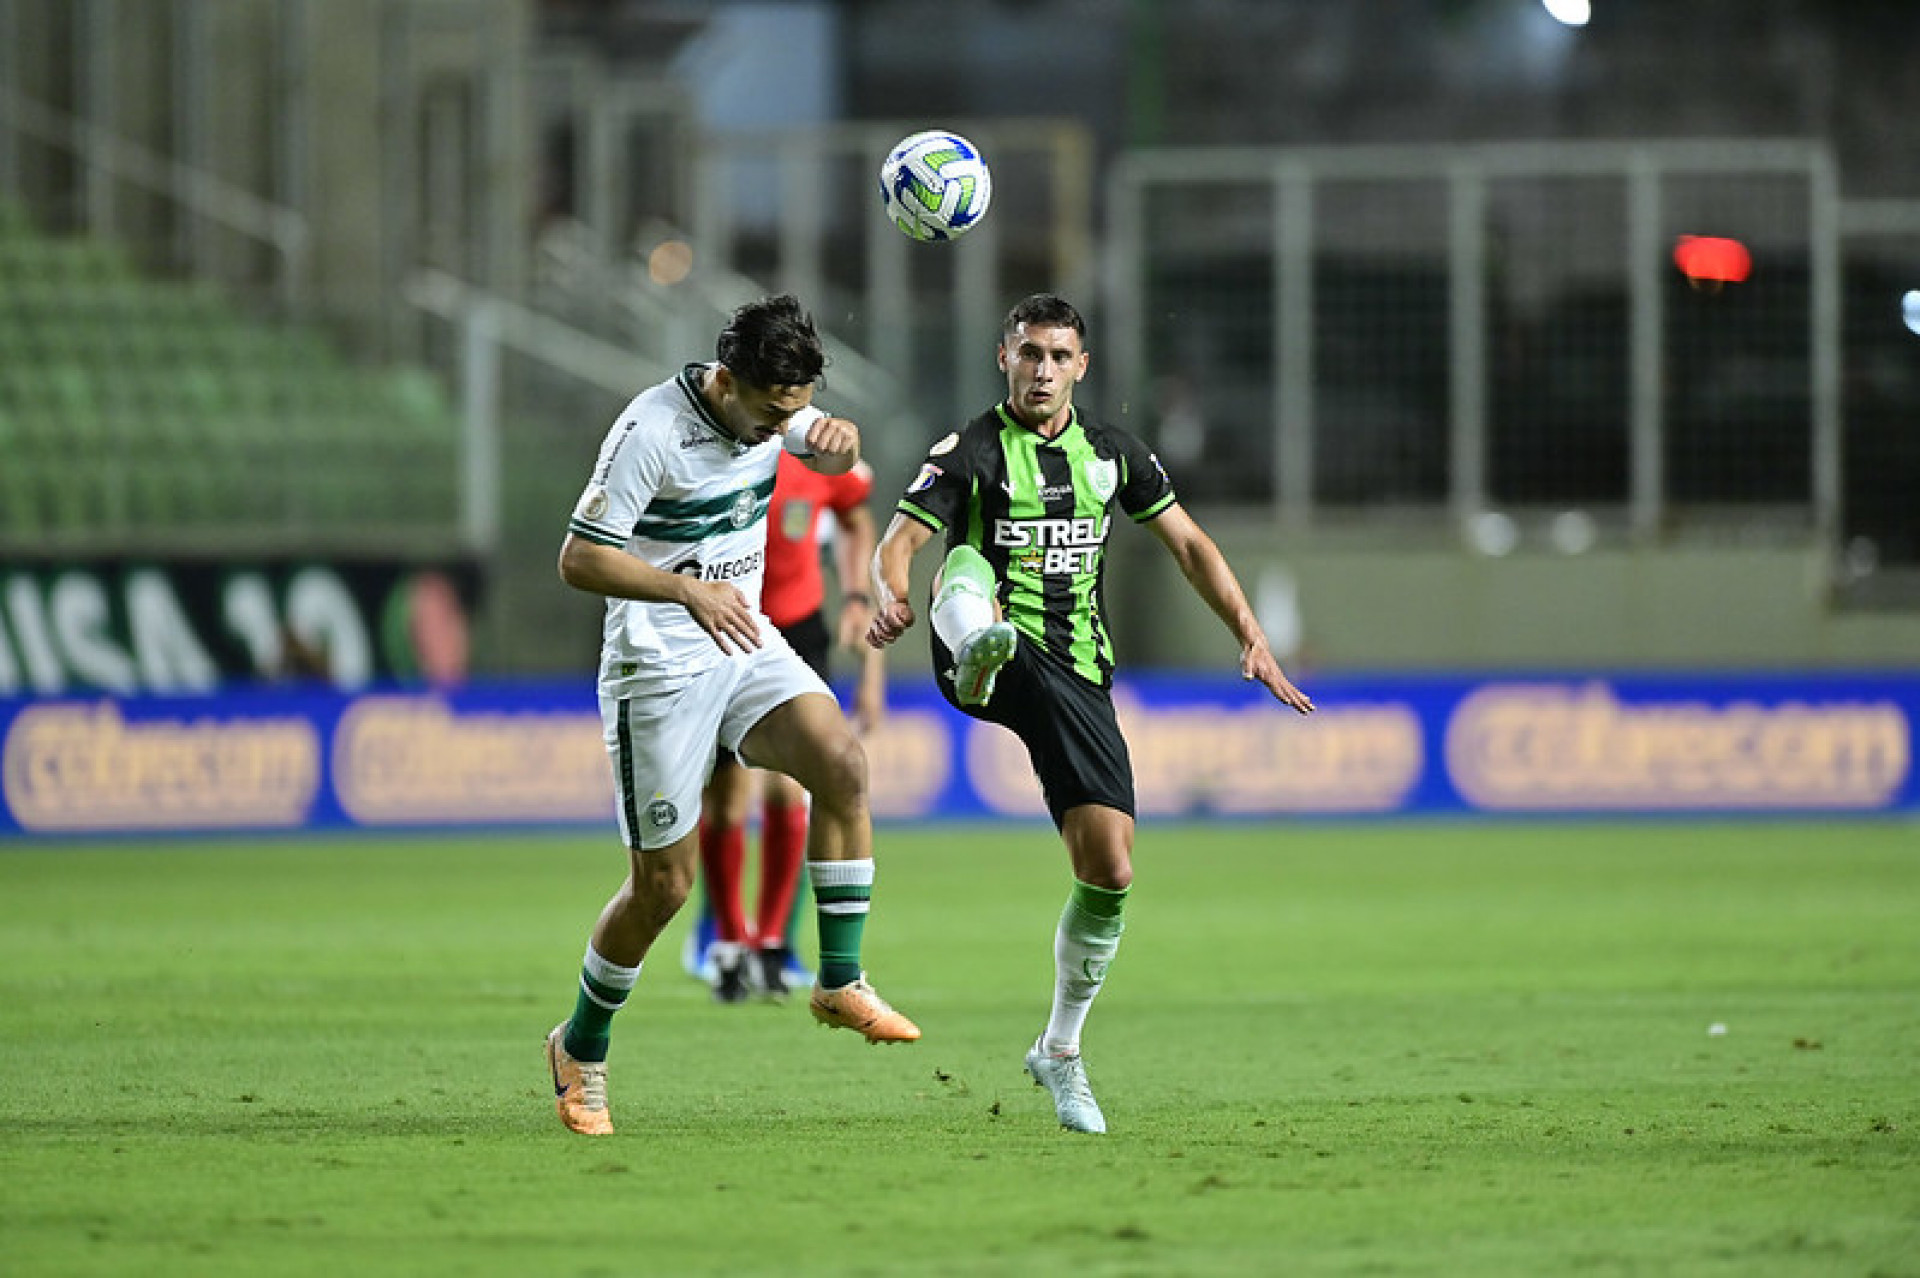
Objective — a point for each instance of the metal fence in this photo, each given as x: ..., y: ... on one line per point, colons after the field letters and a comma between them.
x: 1497, y: 333
x: 1880, y: 396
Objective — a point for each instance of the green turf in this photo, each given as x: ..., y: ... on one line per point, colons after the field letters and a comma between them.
x: 1324, y: 1049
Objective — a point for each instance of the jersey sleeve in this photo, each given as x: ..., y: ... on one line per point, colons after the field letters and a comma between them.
x: 624, y: 481
x: 794, y: 437
x: 937, y: 497
x: 1145, y: 490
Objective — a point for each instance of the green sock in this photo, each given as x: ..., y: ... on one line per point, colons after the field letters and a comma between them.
x: 604, y: 987
x: 842, y: 891
x: 964, y: 563
x: 1102, y: 906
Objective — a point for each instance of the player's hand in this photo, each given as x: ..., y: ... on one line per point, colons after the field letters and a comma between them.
x: 835, y: 435
x: 889, y: 623
x: 834, y: 445
x: 722, y: 611
x: 1257, y: 663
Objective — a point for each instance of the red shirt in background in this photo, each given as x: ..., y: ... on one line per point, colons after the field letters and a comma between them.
x: 793, y: 587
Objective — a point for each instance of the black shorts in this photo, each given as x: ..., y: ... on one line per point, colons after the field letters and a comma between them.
x: 808, y: 637
x: 809, y: 640
x: 1067, y: 724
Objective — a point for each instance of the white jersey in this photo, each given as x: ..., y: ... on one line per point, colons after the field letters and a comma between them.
x: 673, y: 487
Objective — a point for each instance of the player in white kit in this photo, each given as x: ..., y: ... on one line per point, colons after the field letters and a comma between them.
x: 672, y: 531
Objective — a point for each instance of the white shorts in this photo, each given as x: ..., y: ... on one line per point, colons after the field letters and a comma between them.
x: 663, y: 745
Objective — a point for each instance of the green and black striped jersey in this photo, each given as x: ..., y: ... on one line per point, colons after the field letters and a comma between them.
x: 1040, y: 511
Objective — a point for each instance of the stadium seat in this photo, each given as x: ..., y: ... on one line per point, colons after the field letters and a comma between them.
x: 20, y: 490
x: 71, y: 388
x: 215, y: 417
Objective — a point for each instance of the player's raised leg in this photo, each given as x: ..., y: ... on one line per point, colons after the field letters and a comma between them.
x: 965, y: 617
x: 808, y: 739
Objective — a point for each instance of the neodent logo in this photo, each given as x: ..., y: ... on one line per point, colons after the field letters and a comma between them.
x: 725, y: 570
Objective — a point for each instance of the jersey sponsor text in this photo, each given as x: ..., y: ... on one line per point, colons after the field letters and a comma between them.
x: 726, y: 569
x: 1070, y: 545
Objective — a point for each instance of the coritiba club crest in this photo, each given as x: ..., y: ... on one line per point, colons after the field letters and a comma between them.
x: 1103, y: 474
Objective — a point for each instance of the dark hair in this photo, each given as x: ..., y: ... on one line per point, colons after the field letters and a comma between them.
x: 772, y: 342
x: 1047, y: 310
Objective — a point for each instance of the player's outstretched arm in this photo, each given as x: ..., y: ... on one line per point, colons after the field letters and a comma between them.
x: 1207, y: 571
x: 892, y: 579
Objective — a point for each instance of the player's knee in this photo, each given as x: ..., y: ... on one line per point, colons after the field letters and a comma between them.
x: 1100, y: 848
x: 1115, y: 874
x: 840, y: 773
x: 658, y: 887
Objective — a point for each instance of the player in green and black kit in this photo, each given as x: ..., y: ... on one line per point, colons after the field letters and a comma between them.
x: 1026, y: 495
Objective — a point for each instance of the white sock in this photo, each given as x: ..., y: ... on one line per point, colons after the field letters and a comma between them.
x: 959, y: 610
x: 613, y: 981
x: 1083, y: 946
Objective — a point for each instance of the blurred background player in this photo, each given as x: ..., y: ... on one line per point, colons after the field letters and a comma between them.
x: 1026, y: 494
x: 671, y: 529
x: 737, y: 957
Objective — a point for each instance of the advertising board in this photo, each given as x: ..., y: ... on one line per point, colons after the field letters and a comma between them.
x: 314, y: 757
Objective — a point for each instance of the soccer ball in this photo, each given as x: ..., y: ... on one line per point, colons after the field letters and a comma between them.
x: 935, y: 185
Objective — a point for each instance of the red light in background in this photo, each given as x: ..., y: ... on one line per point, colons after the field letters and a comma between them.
x: 1712, y: 259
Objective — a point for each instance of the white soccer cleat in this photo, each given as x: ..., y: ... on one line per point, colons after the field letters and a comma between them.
x: 979, y: 661
x: 1066, y: 1079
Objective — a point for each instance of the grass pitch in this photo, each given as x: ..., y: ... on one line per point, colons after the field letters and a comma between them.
x: 1324, y: 1049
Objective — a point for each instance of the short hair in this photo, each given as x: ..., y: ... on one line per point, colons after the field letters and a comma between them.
x: 772, y: 342
x: 1046, y: 310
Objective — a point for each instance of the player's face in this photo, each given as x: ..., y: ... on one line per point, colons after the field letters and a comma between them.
x: 1043, y: 364
x: 756, y: 414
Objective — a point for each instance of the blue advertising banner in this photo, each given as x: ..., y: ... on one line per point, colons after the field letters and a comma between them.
x: 531, y: 753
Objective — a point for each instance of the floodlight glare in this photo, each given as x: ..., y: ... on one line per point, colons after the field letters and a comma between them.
x: 1569, y: 13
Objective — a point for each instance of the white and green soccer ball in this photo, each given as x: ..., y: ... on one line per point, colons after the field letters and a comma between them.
x: 935, y: 185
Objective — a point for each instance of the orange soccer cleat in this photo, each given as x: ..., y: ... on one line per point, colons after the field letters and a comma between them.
x: 579, y: 1088
x: 857, y: 1006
